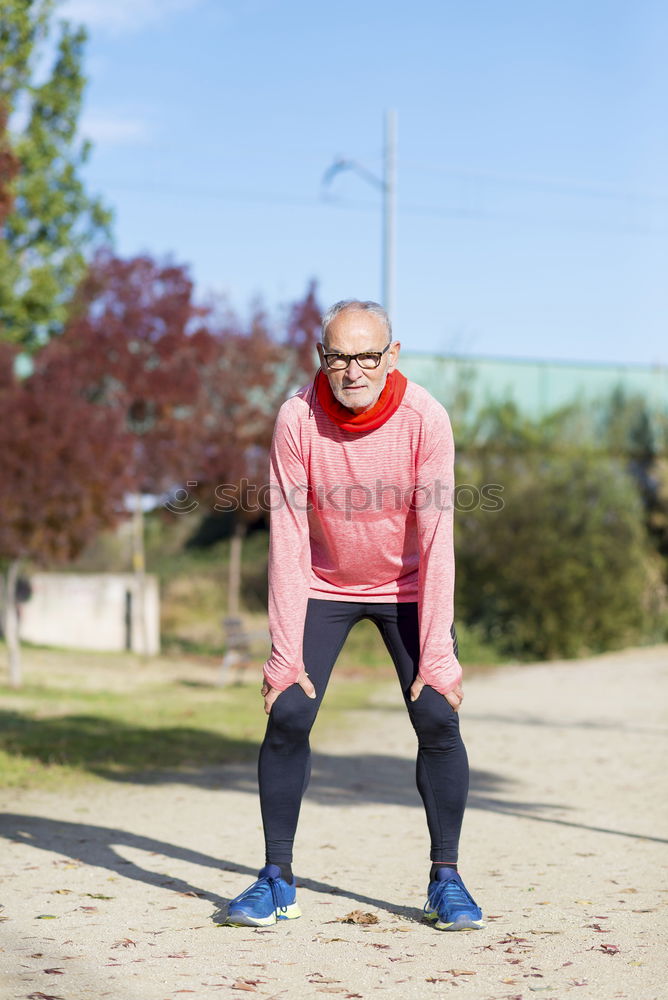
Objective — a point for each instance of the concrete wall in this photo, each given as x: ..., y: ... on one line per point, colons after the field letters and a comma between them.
x: 91, y: 611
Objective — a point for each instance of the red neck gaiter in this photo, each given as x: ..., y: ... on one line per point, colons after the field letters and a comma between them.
x: 387, y: 403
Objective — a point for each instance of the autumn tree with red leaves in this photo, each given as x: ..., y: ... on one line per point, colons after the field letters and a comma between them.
x: 255, y: 368
x: 141, y: 391
x: 64, y: 474
x: 137, y: 347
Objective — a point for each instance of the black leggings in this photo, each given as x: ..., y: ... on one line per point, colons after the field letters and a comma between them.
x: 284, y: 765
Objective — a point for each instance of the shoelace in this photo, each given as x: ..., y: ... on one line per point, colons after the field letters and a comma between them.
x: 451, y: 892
x: 256, y: 891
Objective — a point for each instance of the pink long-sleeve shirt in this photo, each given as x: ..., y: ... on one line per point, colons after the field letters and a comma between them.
x: 364, y: 517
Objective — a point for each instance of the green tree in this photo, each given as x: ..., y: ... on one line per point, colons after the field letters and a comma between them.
x: 564, y: 567
x: 637, y: 432
x: 53, y: 220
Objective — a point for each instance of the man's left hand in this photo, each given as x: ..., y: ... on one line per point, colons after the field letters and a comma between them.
x: 454, y: 697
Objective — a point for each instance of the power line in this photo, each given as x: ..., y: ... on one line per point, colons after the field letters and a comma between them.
x: 453, y: 214
x: 544, y: 182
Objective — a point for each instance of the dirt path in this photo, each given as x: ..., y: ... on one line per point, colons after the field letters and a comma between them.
x: 114, y: 891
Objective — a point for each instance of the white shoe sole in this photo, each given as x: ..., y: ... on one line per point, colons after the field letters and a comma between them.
x: 463, y: 924
x: 241, y: 919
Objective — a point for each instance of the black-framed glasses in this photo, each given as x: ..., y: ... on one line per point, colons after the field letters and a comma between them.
x: 368, y: 359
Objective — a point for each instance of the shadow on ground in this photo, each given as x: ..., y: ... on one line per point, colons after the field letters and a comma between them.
x: 336, y: 780
x: 102, y: 847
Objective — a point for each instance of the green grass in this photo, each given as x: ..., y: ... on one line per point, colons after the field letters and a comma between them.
x: 107, y: 716
x: 115, y: 716
x: 110, y: 717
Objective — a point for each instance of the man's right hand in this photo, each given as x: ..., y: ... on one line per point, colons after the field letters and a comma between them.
x: 270, y: 694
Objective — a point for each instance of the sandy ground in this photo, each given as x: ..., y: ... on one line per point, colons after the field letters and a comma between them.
x: 116, y: 891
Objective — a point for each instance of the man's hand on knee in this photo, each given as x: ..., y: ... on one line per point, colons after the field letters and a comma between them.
x: 270, y: 694
x: 454, y: 697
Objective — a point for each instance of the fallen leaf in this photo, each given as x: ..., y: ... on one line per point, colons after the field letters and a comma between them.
x: 61, y: 892
x: 376, y: 944
x: 610, y: 949
x: 239, y: 985
x: 54, y: 972
x: 46, y: 916
x: 435, y: 979
x: 359, y: 917
x: 461, y: 972
x: 43, y: 996
x: 97, y: 895
x: 88, y: 909
x: 124, y: 943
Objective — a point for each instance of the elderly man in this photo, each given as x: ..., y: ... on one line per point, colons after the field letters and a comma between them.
x: 361, y: 527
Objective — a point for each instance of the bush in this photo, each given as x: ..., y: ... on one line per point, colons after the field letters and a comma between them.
x: 565, y: 567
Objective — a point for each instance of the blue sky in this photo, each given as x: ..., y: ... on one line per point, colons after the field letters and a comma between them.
x: 532, y: 159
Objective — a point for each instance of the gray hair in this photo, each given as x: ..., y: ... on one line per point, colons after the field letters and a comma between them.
x: 370, y: 307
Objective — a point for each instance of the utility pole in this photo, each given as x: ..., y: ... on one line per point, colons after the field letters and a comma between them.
x: 388, y: 186
x: 389, y: 211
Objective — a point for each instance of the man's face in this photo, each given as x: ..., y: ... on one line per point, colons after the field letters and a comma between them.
x: 354, y: 331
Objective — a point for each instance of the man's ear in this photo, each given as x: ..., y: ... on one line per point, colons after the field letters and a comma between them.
x: 393, y: 355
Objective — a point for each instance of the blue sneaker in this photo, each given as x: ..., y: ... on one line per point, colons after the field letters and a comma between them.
x: 450, y: 905
x: 264, y: 902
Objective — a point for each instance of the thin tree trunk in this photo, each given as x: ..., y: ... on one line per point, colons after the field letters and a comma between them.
x: 234, y: 578
x: 11, y: 625
x: 139, y: 566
